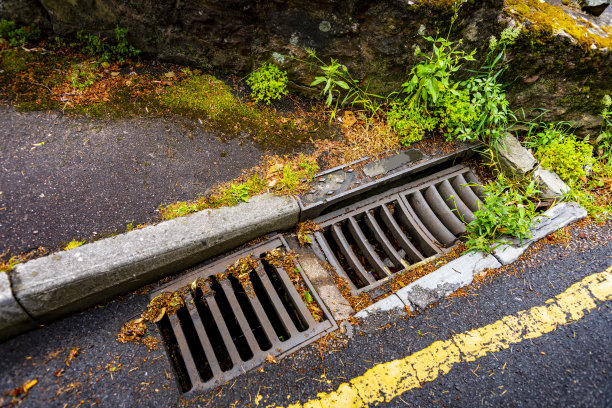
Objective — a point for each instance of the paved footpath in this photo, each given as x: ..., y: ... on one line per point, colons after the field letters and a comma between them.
x: 536, y: 334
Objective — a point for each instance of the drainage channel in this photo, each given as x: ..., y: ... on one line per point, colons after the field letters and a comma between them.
x: 230, y: 326
x: 369, y: 242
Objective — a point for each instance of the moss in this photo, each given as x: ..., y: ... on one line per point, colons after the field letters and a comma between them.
x: 551, y: 19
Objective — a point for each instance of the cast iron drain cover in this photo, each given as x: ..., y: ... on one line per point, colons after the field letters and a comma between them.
x: 228, y: 327
x: 376, y: 238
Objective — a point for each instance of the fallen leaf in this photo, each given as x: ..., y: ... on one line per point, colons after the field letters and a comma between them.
x: 73, y: 353
x: 160, y: 315
x: 271, y: 359
x: 114, y: 74
x: 169, y: 74
x: 348, y: 119
x: 59, y: 372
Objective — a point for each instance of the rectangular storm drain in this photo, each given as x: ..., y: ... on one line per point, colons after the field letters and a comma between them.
x: 374, y: 239
x: 238, y: 311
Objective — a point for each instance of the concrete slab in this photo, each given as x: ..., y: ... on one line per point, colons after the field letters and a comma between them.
x: 325, y: 286
x: 445, y: 280
x: 380, y: 313
x: 13, y: 319
x: 69, y: 281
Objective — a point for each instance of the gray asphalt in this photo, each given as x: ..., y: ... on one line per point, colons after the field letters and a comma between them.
x: 571, y: 366
x: 70, y: 177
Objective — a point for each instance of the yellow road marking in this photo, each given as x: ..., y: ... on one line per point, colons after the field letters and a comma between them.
x: 386, y: 381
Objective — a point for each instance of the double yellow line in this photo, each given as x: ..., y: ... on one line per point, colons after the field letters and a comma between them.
x: 386, y: 381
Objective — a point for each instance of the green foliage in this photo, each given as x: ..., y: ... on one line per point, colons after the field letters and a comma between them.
x: 458, y: 116
x: 569, y: 158
x: 604, y: 140
x: 18, y: 37
x: 338, y: 82
x: 292, y: 175
x: 409, y: 122
x: 118, y: 50
x: 267, y: 83
x: 507, y: 210
x: 543, y: 134
x: 431, y: 77
x: 84, y: 75
x: 489, y: 99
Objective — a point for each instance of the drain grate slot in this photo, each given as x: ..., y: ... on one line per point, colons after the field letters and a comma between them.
x: 230, y: 325
x: 371, y: 241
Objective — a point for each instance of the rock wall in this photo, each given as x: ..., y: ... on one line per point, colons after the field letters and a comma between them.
x: 375, y: 39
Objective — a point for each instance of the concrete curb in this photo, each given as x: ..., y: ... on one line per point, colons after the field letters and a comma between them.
x: 68, y: 281
x: 460, y: 272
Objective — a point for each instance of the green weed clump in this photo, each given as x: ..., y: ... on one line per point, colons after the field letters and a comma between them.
x: 18, y: 37
x: 507, y: 210
x: 84, y: 74
x: 118, y: 49
x: 569, y: 158
x: 267, y: 83
x: 604, y: 140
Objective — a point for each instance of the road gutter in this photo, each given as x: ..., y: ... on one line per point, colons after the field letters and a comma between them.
x: 460, y: 272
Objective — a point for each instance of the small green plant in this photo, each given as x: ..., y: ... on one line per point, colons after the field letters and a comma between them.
x: 603, y: 142
x: 337, y: 82
x: 84, y: 75
x: 571, y: 159
x: 292, y: 174
x: 409, y: 122
x: 540, y: 134
x: 96, y: 45
x: 506, y: 211
x: 18, y: 37
x: 267, y: 83
x: 74, y: 244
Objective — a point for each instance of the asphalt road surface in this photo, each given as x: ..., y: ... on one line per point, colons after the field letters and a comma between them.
x: 69, y: 177
x: 569, y: 365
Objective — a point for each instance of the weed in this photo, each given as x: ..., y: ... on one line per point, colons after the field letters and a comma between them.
x: 18, y: 37
x: 604, y: 140
x: 96, y: 45
x: 74, y: 244
x: 506, y: 211
x: 84, y: 75
x: 337, y: 81
x: 267, y: 83
x: 571, y: 159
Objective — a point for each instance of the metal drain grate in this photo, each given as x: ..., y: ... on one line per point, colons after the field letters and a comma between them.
x: 227, y: 328
x: 372, y: 240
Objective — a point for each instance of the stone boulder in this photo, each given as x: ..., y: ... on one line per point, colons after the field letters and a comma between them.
x: 595, y: 7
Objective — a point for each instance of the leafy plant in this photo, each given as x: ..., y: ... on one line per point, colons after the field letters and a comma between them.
x: 604, y: 140
x: 431, y: 77
x: 409, y: 122
x: 119, y: 50
x: 84, y: 75
x: 506, y: 211
x: 17, y: 37
x: 338, y: 81
x: 543, y: 134
x: 267, y: 83
x: 569, y: 158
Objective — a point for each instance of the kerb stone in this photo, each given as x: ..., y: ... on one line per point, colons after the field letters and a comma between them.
x: 13, y: 319
x: 72, y: 280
